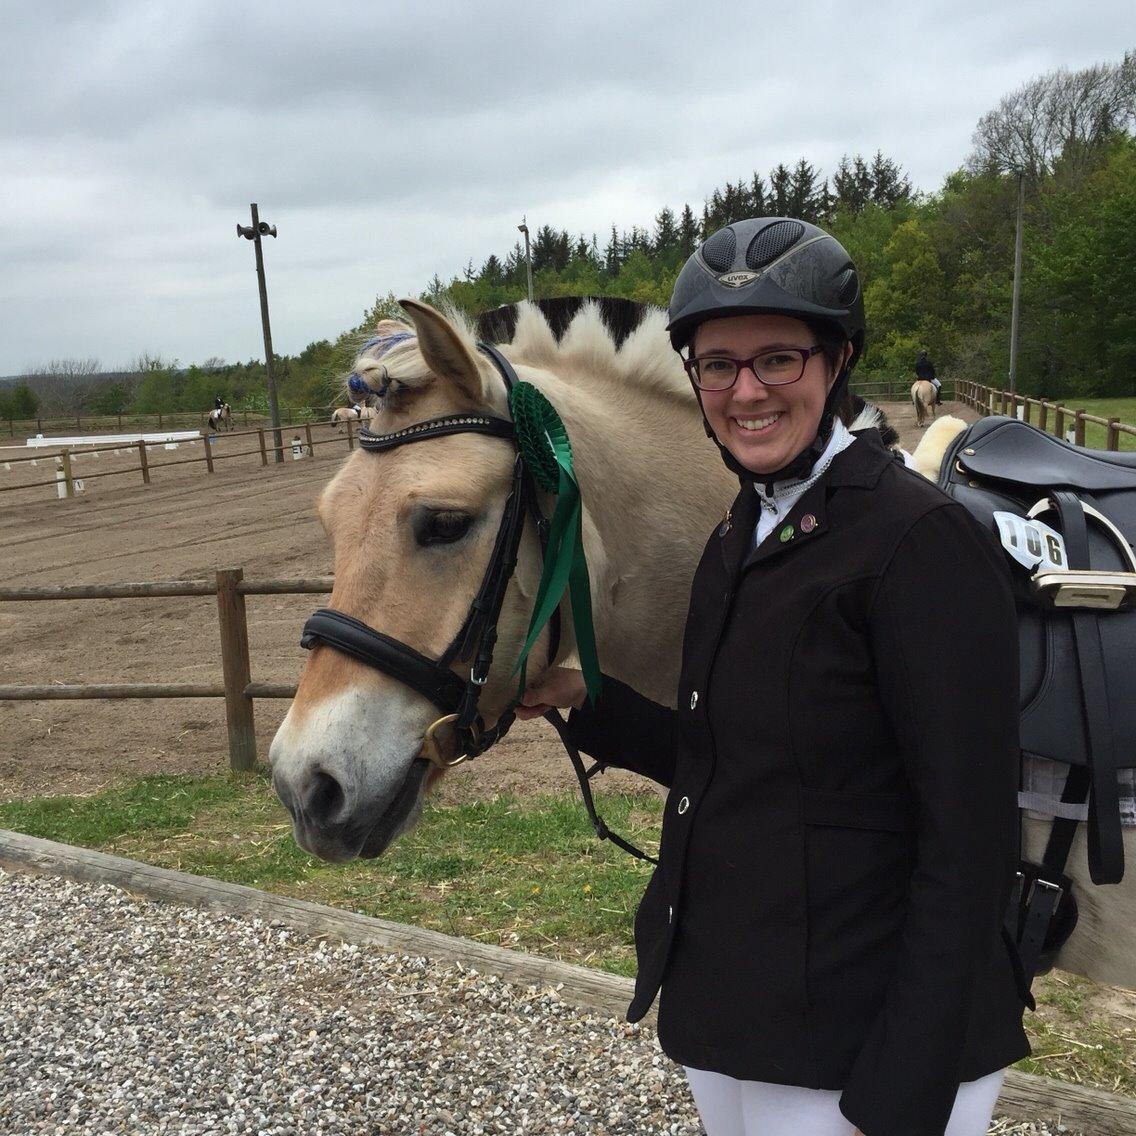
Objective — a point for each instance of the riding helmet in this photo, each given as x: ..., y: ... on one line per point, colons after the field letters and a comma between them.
x: 773, y: 266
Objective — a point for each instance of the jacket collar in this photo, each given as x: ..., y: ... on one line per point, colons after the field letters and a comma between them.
x: 858, y: 466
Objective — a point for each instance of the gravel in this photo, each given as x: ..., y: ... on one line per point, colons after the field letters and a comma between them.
x: 120, y: 1016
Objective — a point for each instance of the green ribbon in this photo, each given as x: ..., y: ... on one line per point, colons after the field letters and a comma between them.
x: 543, y: 442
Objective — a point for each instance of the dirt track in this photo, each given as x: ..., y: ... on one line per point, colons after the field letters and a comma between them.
x: 186, y: 524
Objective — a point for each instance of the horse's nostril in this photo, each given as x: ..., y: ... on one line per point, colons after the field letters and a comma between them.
x: 324, y: 797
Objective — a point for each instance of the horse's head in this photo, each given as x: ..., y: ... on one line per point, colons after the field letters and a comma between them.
x: 413, y: 529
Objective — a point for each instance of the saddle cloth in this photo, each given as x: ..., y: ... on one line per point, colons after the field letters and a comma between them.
x: 1001, y: 464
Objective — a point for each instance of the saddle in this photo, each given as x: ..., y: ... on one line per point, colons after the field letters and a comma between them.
x: 1077, y: 633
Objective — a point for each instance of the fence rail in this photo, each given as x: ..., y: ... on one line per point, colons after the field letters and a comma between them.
x: 289, y: 416
x: 237, y: 687
x: 63, y: 458
x: 1054, y: 417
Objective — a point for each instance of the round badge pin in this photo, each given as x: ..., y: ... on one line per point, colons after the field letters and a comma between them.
x: 808, y: 523
x: 787, y: 534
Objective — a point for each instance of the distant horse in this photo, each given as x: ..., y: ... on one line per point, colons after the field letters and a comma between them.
x: 923, y: 397
x: 342, y: 414
x: 221, y: 418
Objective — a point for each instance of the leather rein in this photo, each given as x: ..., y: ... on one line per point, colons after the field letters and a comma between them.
x: 475, y: 641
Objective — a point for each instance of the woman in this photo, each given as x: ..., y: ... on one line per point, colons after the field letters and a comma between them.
x: 841, y: 831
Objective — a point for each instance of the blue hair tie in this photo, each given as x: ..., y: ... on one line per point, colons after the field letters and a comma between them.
x: 359, y: 386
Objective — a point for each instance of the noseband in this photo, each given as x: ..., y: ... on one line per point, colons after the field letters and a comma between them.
x: 435, y: 679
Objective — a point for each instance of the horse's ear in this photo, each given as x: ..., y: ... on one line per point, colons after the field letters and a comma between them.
x: 445, y: 351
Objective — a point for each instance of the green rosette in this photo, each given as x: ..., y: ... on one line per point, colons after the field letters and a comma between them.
x: 544, y: 444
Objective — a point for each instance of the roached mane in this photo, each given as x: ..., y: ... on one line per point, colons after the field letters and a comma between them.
x: 608, y: 339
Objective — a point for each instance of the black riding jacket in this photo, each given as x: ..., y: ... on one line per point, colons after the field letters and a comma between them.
x: 840, y: 835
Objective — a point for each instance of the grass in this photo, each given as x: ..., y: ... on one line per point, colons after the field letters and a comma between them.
x: 526, y: 873
x: 1096, y: 437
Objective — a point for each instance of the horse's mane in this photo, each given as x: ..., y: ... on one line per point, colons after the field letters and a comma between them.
x: 607, y: 338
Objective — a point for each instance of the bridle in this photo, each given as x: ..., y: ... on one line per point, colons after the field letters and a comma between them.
x: 435, y: 679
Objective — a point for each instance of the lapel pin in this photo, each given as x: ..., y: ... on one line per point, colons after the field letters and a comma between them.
x: 726, y: 525
x: 787, y: 534
x: 808, y: 523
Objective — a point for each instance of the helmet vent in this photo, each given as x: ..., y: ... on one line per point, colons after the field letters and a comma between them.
x: 718, y: 251
x: 772, y: 241
x: 848, y: 286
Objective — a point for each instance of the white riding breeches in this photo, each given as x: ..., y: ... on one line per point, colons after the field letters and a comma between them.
x: 729, y: 1107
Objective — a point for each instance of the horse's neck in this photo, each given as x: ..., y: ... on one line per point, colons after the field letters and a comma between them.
x: 653, y: 489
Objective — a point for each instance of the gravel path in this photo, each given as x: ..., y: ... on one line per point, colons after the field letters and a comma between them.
x: 119, y: 1016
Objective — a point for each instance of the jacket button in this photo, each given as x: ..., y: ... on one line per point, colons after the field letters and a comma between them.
x: 670, y: 914
x: 693, y: 699
x: 683, y: 805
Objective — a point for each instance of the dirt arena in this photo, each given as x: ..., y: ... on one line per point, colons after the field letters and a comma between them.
x: 187, y: 524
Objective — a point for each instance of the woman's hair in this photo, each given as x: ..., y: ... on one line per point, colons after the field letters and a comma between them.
x: 832, y: 340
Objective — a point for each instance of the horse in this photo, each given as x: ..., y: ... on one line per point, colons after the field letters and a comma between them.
x: 644, y: 526
x: 221, y: 418
x: 923, y: 397
x: 413, y: 529
x: 342, y: 415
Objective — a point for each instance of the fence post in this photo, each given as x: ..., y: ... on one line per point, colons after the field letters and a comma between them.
x: 145, y: 463
x: 1042, y: 414
x: 1113, y: 434
x: 235, y: 668
x: 1079, y: 428
x: 1059, y: 420
x: 159, y: 419
x: 263, y: 451
x: 208, y: 440
x: 67, y: 478
x: 308, y: 435
x: 120, y: 420
x: 350, y: 436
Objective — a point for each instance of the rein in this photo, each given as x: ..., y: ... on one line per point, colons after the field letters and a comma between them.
x: 475, y: 641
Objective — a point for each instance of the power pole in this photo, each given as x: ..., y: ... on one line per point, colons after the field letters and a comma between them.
x: 524, y: 228
x: 254, y: 232
x: 1017, y: 283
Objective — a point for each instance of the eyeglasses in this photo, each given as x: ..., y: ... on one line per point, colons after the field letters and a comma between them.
x: 776, y: 368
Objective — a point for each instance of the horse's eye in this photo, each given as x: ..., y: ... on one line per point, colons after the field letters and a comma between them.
x: 441, y: 527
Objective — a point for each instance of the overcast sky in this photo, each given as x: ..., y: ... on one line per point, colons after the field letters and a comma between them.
x: 391, y: 141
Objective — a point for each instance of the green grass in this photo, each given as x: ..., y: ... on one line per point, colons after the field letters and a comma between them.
x: 1096, y: 437
x: 526, y: 873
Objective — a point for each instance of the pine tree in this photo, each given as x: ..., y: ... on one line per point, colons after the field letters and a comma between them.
x: 666, y: 232
x: 780, y: 191
x: 687, y: 232
x: 889, y: 183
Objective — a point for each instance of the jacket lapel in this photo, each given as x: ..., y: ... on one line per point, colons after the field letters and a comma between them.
x: 860, y: 466
x: 735, y: 540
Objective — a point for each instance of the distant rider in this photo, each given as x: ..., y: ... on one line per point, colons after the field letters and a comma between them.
x: 925, y: 370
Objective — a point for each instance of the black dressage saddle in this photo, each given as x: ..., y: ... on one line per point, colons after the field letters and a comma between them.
x: 1077, y: 621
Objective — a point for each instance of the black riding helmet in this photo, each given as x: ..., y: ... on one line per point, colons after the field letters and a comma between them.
x: 772, y: 266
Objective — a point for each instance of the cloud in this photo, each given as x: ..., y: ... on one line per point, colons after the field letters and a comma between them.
x: 389, y: 142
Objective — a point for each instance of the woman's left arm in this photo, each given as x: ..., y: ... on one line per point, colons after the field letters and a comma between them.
x: 945, y: 638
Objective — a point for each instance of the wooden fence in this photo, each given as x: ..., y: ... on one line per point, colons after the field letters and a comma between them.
x: 1050, y: 416
x: 237, y: 687
x: 165, y: 420
x: 63, y: 456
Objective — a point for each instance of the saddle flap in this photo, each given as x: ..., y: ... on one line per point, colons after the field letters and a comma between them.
x: 1006, y: 450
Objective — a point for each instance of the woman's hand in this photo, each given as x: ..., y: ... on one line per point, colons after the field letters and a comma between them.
x: 560, y: 687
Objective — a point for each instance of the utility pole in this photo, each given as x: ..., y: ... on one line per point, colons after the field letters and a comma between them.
x: 524, y: 228
x: 1017, y: 283
x: 254, y: 232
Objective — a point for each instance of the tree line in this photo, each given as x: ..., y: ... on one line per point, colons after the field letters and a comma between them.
x: 937, y: 268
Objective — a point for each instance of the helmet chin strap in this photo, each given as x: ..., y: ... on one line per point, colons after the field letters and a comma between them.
x: 802, y: 464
